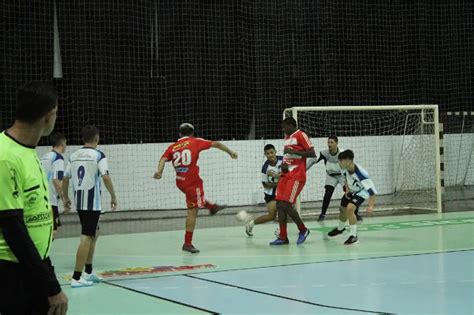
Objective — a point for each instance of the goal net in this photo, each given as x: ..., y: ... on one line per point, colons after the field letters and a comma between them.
x: 397, y: 145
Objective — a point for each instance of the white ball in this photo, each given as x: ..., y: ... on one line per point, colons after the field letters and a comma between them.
x: 242, y: 216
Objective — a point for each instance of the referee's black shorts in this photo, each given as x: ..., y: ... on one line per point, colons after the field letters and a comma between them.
x: 89, y: 221
x: 19, y: 292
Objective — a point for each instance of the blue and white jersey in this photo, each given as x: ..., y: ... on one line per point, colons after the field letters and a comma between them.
x: 359, y: 182
x: 330, y: 161
x: 269, y: 179
x: 86, y: 167
x: 53, y: 166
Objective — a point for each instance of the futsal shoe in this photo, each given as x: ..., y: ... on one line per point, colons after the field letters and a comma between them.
x: 302, y: 237
x: 335, y: 232
x: 321, y: 217
x: 248, y: 229
x: 92, y: 277
x: 216, y: 209
x: 81, y: 283
x: 351, y: 240
x: 279, y: 241
x: 359, y: 217
x: 190, y: 248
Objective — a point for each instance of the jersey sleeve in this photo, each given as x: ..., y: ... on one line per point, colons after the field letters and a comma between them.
x: 58, y: 168
x: 305, y: 141
x: 168, y: 154
x: 102, y: 163
x: 67, y: 170
x: 369, y: 186
x: 264, y: 172
x: 203, y: 144
x: 11, y: 192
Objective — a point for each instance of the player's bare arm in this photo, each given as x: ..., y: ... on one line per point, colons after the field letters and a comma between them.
x: 273, y: 174
x: 370, y: 207
x: 65, y: 189
x: 223, y: 147
x: 308, y: 153
x: 110, y: 187
x: 161, y: 166
x: 58, y: 187
x: 269, y: 185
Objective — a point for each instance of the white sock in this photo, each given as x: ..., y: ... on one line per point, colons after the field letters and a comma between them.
x: 354, y: 230
x: 252, y: 223
x: 341, y: 226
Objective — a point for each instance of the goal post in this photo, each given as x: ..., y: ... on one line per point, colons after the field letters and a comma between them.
x: 399, y: 145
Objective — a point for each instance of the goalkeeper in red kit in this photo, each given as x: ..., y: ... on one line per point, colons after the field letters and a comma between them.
x: 184, y: 155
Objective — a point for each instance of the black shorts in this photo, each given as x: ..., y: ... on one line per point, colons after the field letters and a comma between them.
x: 350, y: 198
x: 269, y: 198
x: 19, y: 294
x: 56, y: 221
x: 89, y: 221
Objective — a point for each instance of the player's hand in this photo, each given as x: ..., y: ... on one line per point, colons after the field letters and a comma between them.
x: 57, y: 304
x: 113, y: 204
x: 157, y: 175
x: 233, y: 155
x: 67, y: 204
x: 273, y: 174
x: 370, y: 210
x: 284, y: 168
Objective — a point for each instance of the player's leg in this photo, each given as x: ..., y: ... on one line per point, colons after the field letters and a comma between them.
x: 89, y: 274
x: 353, y: 204
x: 194, y: 201
x: 88, y: 231
x: 56, y: 221
x: 296, y: 188
x: 282, y: 193
x: 342, y: 218
x: 328, y: 191
x: 270, y: 216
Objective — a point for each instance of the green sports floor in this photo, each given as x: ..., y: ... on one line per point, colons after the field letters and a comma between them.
x: 417, y: 264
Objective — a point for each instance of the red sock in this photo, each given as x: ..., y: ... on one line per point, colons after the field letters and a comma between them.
x: 302, y: 227
x: 283, y: 232
x: 188, y: 238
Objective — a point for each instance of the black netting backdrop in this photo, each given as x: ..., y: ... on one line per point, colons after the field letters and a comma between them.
x: 139, y: 68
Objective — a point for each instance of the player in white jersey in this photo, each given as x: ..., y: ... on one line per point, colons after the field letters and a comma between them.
x: 359, y: 187
x: 53, y: 165
x: 333, y: 174
x: 86, y: 166
x: 271, y: 170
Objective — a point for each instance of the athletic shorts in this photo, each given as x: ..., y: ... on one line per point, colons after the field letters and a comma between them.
x: 334, y: 180
x: 89, y: 221
x: 56, y: 221
x: 350, y: 198
x: 194, y: 192
x: 269, y: 198
x: 288, y: 189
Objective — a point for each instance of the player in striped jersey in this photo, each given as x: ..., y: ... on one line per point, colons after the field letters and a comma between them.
x: 359, y: 187
x: 86, y: 166
x: 270, y: 174
x: 333, y: 174
x: 53, y: 165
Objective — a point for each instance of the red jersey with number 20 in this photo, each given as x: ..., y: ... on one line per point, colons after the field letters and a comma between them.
x: 299, y: 141
x: 184, y: 155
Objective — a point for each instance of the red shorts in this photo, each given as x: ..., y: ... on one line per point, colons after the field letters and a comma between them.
x: 194, y: 193
x: 288, y: 189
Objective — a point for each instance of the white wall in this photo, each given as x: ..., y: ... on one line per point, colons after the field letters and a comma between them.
x: 237, y: 182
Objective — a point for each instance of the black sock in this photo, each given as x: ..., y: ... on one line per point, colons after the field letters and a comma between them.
x: 76, y: 275
x: 88, y: 268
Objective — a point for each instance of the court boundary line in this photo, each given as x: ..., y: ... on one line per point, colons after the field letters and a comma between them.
x: 286, y: 297
x: 160, y: 297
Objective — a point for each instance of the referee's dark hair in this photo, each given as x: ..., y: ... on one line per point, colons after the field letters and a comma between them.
x: 34, y: 100
x: 346, y: 155
x: 290, y: 121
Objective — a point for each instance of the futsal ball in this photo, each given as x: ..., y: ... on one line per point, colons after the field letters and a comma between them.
x: 242, y: 216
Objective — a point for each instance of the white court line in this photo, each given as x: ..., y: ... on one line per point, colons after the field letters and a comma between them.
x: 347, y: 284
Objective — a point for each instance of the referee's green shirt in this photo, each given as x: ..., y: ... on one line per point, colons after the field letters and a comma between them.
x: 23, y: 186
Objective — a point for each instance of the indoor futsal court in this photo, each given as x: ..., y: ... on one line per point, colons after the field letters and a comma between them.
x: 176, y: 125
x: 418, y: 264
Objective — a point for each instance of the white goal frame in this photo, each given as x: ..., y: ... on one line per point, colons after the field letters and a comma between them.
x: 293, y: 112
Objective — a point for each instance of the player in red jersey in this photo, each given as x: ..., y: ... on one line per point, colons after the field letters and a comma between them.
x: 184, y: 155
x: 297, y: 148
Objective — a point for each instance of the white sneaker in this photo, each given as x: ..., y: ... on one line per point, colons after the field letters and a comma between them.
x: 248, y: 229
x: 80, y: 283
x: 93, y: 277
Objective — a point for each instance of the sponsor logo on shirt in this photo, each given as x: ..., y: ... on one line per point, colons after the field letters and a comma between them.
x: 181, y: 145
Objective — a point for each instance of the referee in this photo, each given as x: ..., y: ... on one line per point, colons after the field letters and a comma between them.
x: 28, y: 284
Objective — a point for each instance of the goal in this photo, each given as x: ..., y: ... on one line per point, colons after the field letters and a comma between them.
x: 398, y: 145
